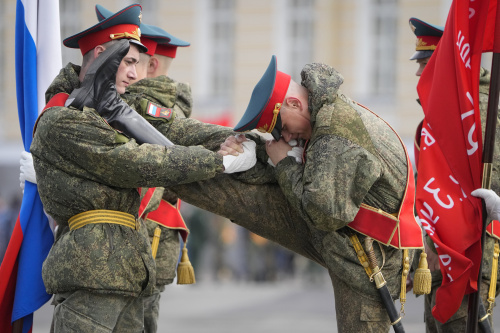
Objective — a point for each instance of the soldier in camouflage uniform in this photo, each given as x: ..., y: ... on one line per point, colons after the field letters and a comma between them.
x: 100, y: 270
x: 428, y: 37
x: 353, y: 157
x: 177, y: 96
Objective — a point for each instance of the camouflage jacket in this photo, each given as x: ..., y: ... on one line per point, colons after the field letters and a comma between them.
x: 187, y: 131
x: 353, y: 157
x: 83, y: 164
x: 176, y: 96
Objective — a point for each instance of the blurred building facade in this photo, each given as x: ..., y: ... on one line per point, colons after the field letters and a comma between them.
x: 368, y: 41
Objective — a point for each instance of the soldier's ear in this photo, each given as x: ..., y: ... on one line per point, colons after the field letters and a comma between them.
x: 293, y: 102
x: 98, y: 50
x: 152, y: 65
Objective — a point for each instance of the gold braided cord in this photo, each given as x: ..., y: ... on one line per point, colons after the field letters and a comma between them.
x: 156, y: 241
x: 404, y: 276
x: 493, y: 279
x: 135, y: 35
x: 276, y: 111
x: 360, y: 252
x: 102, y: 216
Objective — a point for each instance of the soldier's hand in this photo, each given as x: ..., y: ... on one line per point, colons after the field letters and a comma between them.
x: 432, y: 258
x: 277, y: 150
x: 491, y: 201
x: 27, y: 169
x: 243, y: 161
x: 233, y: 145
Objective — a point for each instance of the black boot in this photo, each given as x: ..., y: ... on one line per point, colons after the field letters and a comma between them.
x: 98, y: 91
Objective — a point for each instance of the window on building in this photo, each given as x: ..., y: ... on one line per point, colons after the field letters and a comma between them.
x: 300, y: 27
x: 222, y: 48
x: 383, y: 59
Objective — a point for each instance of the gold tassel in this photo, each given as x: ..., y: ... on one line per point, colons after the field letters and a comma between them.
x: 185, y: 271
x: 493, y: 279
x: 404, y: 276
x: 422, y: 281
x: 156, y: 242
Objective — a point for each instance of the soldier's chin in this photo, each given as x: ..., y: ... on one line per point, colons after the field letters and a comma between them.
x: 120, y: 89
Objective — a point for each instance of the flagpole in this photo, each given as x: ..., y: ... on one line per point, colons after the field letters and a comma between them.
x: 17, y: 326
x: 488, y: 149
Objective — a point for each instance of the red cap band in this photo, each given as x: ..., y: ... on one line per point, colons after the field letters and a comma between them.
x: 166, y: 50
x: 120, y: 31
x: 427, y: 43
x: 150, y: 44
x: 270, y: 113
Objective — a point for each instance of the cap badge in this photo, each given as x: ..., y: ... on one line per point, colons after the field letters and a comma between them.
x: 136, y: 34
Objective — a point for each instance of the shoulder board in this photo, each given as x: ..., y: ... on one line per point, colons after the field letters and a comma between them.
x: 56, y: 100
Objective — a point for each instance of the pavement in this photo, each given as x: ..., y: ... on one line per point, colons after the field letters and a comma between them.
x: 289, y: 306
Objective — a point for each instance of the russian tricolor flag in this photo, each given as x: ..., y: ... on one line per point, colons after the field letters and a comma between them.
x: 38, y: 60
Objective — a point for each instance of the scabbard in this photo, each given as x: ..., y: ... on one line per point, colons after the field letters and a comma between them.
x: 484, y: 324
x: 391, y: 309
x: 369, y: 263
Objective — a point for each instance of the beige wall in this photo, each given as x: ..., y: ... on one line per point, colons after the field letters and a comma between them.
x: 338, y: 41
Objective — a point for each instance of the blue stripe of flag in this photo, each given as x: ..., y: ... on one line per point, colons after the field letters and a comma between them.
x: 37, y: 235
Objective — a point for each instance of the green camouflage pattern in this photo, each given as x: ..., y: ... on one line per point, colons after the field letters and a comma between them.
x: 152, y: 310
x: 87, y: 312
x: 166, y: 92
x: 83, y: 164
x: 295, y: 214
x: 167, y: 254
x: 187, y: 131
x: 351, y: 150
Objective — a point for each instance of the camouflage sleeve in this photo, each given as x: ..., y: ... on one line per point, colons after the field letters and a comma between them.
x: 89, y: 148
x: 330, y: 187
x: 191, y: 132
x: 184, y: 99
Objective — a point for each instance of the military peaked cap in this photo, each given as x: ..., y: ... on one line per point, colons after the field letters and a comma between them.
x: 265, y: 103
x: 428, y: 36
x: 156, y: 39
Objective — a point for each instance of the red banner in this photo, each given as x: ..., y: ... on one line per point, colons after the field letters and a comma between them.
x: 450, y: 161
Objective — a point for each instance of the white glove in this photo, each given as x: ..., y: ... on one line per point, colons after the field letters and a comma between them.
x: 27, y: 169
x: 491, y: 201
x: 243, y: 161
x: 297, y: 153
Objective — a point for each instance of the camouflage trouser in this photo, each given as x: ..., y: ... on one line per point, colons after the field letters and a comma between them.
x: 83, y: 311
x: 356, y: 312
x: 152, y: 310
x: 458, y: 322
x: 264, y: 210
